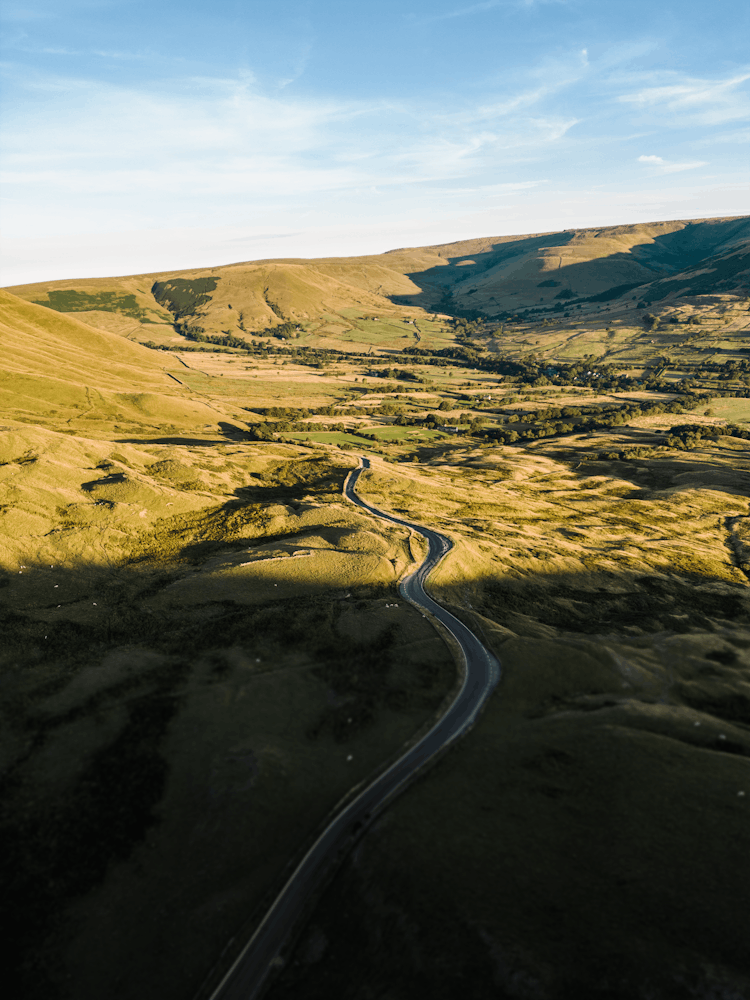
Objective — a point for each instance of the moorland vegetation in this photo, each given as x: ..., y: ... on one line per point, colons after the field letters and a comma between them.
x: 227, y: 655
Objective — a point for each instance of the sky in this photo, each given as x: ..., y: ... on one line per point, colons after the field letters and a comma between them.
x: 140, y: 136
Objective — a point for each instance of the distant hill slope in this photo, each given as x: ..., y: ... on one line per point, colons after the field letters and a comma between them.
x: 513, y: 273
x: 490, y: 276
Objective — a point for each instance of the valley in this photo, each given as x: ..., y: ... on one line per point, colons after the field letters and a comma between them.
x: 228, y: 655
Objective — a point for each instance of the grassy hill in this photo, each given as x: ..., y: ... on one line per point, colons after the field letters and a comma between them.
x: 57, y: 370
x: 513, y: 273
x: 343, y: 299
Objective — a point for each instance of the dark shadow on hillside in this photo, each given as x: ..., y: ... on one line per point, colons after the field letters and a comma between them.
x: 198, y: 552
x: 98, y: 678
x: 234, y: 433
x: 230, y: 433
x: 688, y: 250
x: 116, y: 477
x: 260, y: 491
x: 435, y: 282
x: 583, y: 805
x: 188, y: 442
x: 226, y: 528
x: 689, y: 246
x: 84, y: 651
x: 640, y: 457
x: 627, y: 605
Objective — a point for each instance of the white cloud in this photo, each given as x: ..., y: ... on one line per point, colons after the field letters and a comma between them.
x: 667, y: 167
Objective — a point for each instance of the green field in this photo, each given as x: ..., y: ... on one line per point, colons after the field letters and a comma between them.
x: 328, y: 437
x: 396, y: 435
x: 404, y: 434
x: 734, y: 411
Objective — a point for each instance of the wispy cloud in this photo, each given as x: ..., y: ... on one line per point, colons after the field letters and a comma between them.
x: 485, y: 5
x: 476, y: 8
x: 201, y: 144
x: 299, y: 62
x: 668, y: 167
x: 736, y: 137
x: 27, y: 10
x: 166, y: 148
x: 699, y: 101
x: 52, y: 50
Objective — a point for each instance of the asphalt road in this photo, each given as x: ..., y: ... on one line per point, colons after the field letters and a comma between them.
x: 263, y: 952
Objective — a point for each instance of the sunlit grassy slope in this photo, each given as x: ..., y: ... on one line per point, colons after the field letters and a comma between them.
x: 55, y: 367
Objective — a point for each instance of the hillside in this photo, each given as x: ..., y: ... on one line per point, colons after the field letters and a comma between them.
x: 67, y: 392
x: 59, y: 368
x: 363, y: 300
x: 514, y: 273
x: 47, y: 342
x: 183, y: 592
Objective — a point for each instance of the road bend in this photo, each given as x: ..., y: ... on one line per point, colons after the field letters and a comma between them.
x: 480, y: 671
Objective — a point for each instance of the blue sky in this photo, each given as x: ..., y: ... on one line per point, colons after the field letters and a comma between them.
x: 143, y: 136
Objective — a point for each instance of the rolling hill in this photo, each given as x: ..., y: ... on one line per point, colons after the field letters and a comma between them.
x: 182, y: 603
x: 490, y: 276
x: 59, y: 370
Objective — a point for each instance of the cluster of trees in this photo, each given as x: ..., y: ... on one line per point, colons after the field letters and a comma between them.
x: 531, y: 371
x: 397, y: 373
x: 626, y: 455
x: 548, y: 422
x: 388, y: 408
x: 288, y: 419
x: 384, y: 390
x: 182, y: 296
x: 731, y: 370
x: 688, y: 436
x: 287, y: 426
x: 314, y: 357
x: 268, y: 430
x: 285, y: 331
x: 469, y: 353
x: 661, y: 322
x: 297, y: 413
x: 466, y: 328
x: 170, y: 347
x: 221, y: 340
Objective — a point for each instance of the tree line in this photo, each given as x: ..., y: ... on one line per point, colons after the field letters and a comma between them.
x: 554, y: 423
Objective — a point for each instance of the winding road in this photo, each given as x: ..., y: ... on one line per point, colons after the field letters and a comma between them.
x: 248, y: 974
